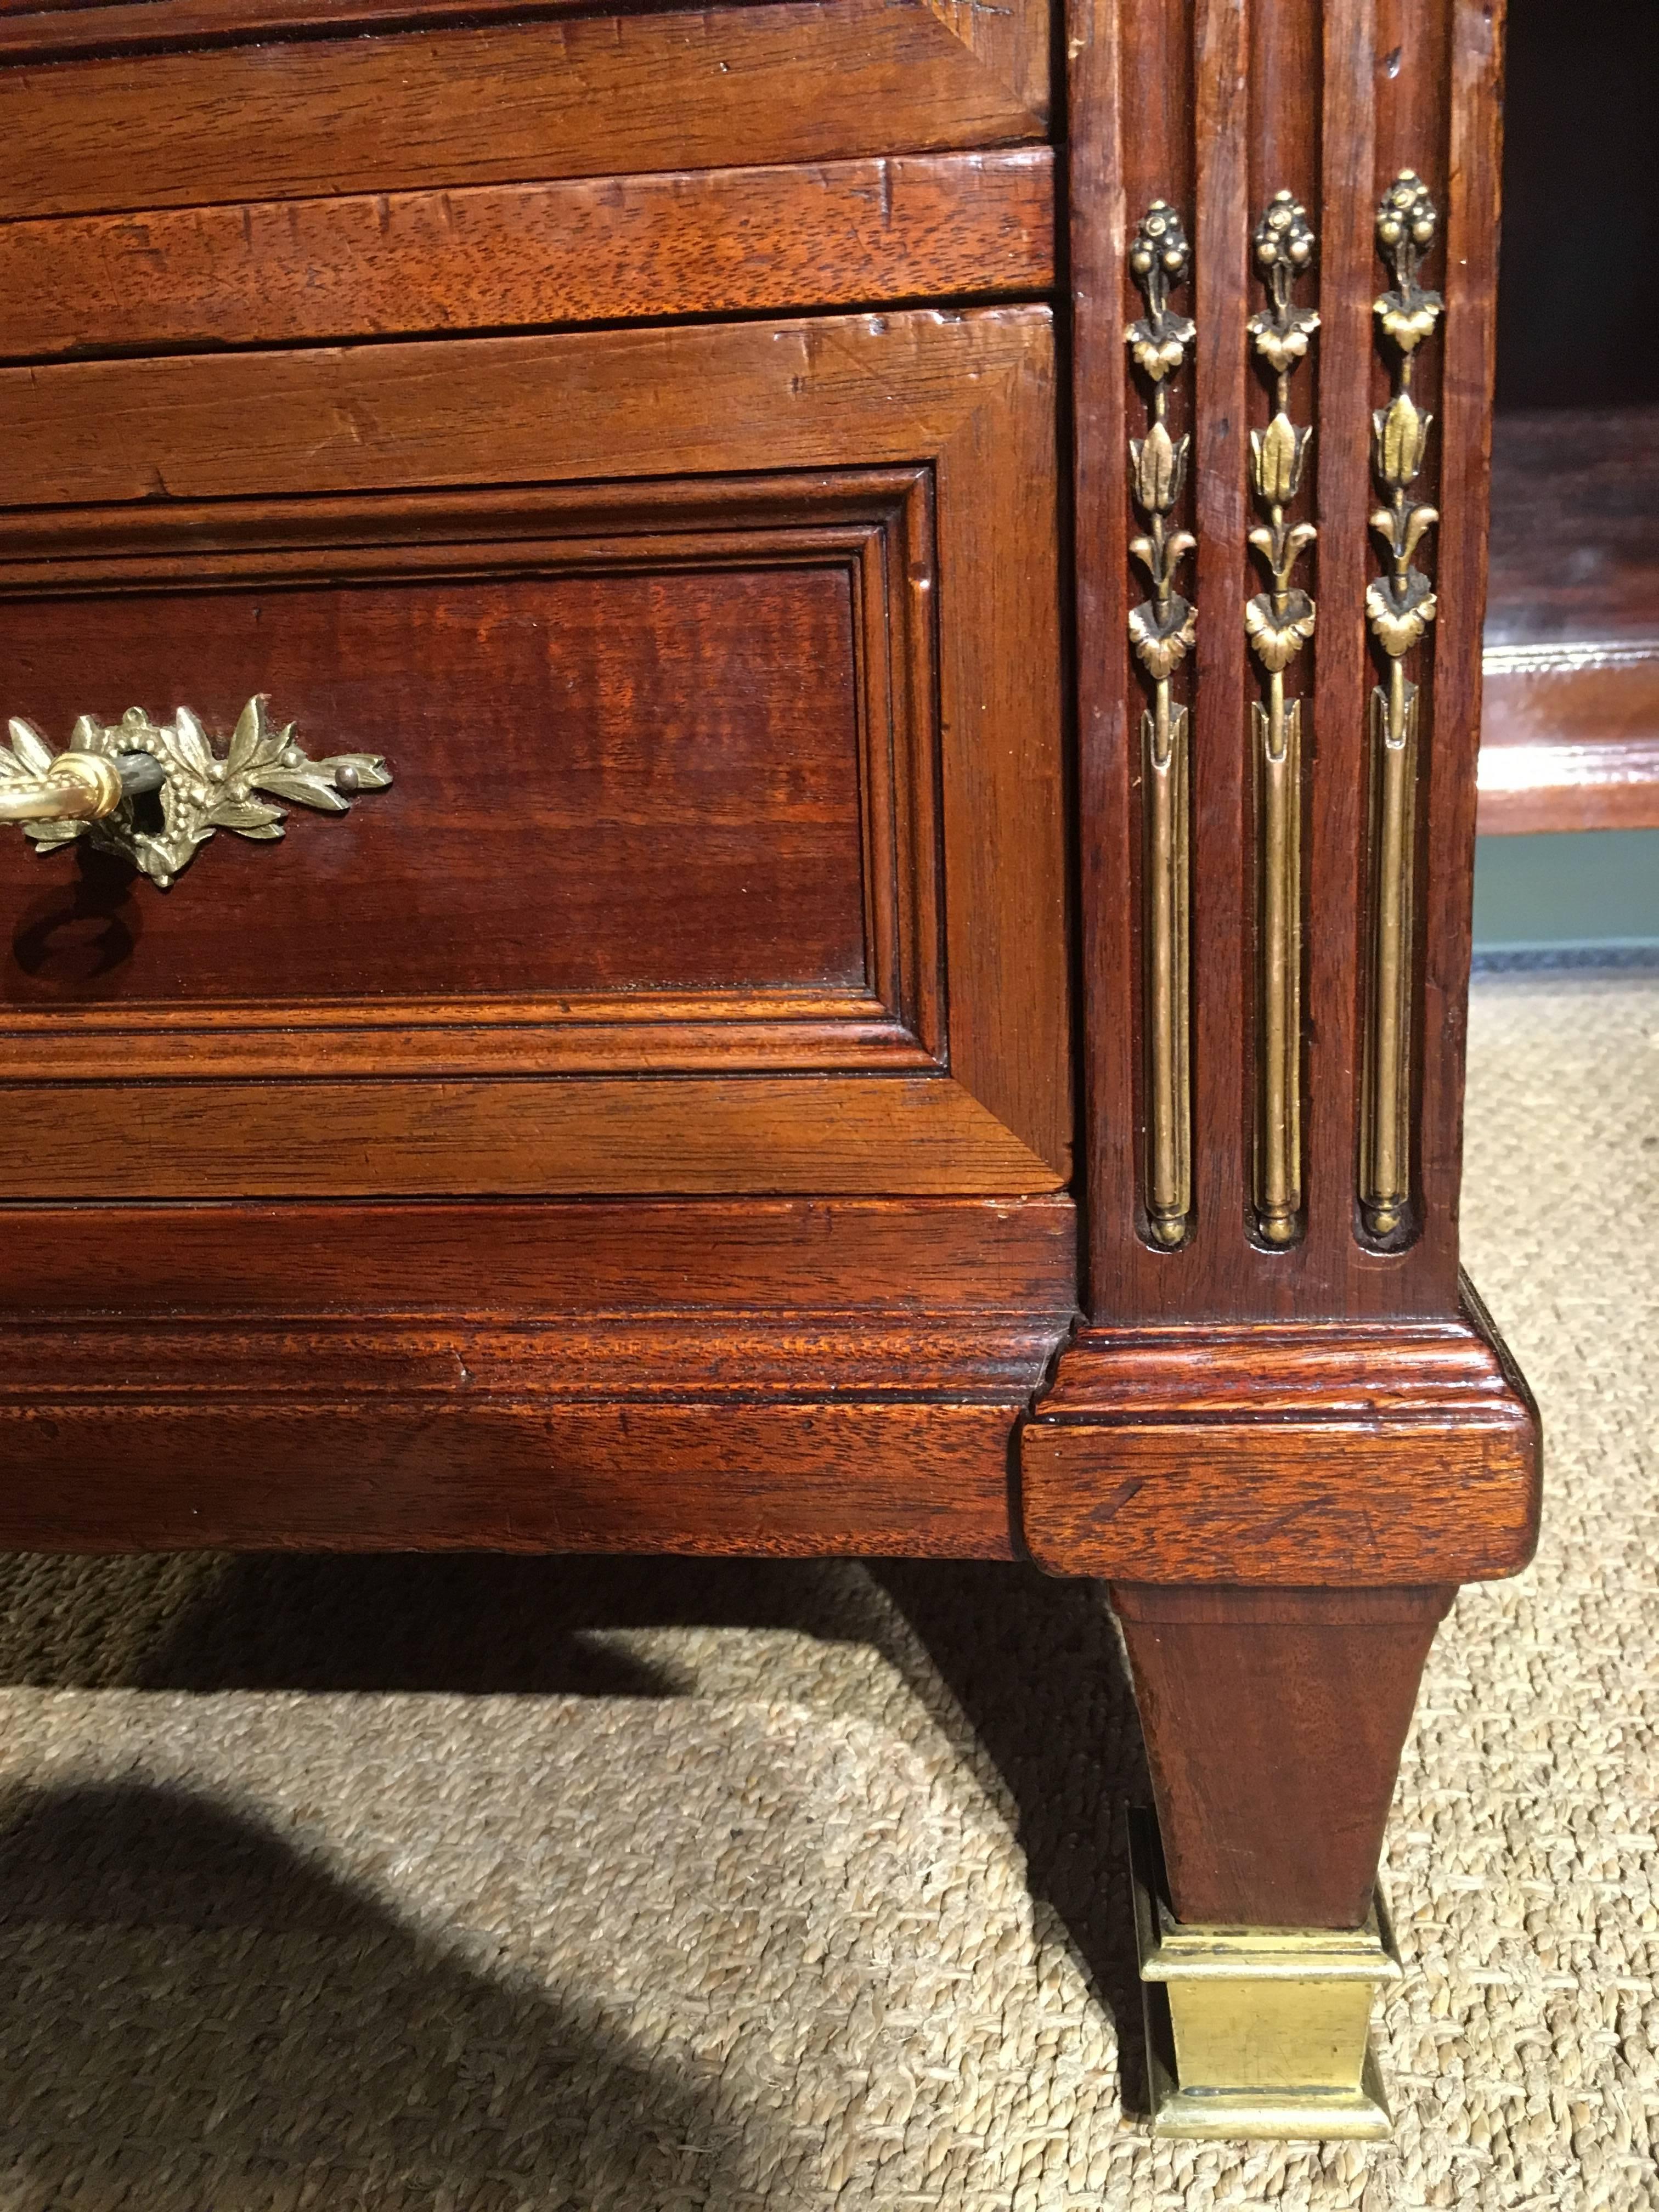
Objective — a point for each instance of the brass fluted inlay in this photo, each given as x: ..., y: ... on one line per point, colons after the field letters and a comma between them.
x: 1163, y: 630
x: 1278, y: 622
x: 1399, y: 606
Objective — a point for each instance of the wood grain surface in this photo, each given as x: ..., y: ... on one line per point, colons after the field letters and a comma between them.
x: 618, y: 405
x: 1467, y: 61
x: 695, y: 1134
x: 41, y: 28
x: 571, y: 95
x: 87, y: 999
x: 586, y: 1033
x: 1344, y: 1455
x: 1273, y: 1722
x: 1570, y: 735
x: 1575, y: 526
x: 632, y: 1360
x: 786, y: 1481
x: 576, y: 1258
x: 1012, y: 40
x: 496, y: 257
x: 967, y: 603
x: 563, y: 1375
x: 668, y: 1436
x: 603, y: 783
x: 1319, y: 1501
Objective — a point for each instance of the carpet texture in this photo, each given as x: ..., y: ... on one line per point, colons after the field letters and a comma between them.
x: 477, y: 1885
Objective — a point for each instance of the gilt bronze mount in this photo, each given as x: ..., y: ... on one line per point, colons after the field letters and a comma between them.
x: 1400, y: 605
x: 1258, y: 2032
x: 1163, y: 631
x: 97, y: 788
x: 1278, y: 622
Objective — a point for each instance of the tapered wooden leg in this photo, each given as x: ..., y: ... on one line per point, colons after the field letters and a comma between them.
x: 1281, y: 1514
x: 1273, y: 1721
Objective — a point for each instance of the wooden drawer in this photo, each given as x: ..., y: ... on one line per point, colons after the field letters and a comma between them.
x: 753, y: 157
x: 716, y: 671
x: 192, y: 103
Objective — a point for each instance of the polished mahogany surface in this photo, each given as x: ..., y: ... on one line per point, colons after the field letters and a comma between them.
x: 797, y: 735
x: 652, y: 1121
x: 1570, y: 737
x: 496, y: 257
x: 605, y: 783
x: 1274, y: 1721
x: 271, y: 110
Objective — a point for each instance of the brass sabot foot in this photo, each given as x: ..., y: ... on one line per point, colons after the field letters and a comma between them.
x: 1257, y: 2033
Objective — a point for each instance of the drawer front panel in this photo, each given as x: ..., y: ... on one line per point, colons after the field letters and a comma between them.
x: 717, y: 674
x: 211, y: 105
x: 603, y: 781
x: 452, y: 258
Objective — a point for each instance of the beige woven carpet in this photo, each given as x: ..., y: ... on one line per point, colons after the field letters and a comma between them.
x: 375, y: 1884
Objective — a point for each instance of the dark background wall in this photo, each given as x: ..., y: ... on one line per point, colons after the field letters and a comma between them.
x: 1578, y: 297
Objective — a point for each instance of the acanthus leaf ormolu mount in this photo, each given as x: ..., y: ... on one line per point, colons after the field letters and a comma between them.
x: 94, y: 789
x: 1278, y: 622
x: 1400, y: 605
x: 1164, y: 630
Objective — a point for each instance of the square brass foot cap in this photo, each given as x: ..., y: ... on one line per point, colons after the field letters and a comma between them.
x: 1257, y: 2032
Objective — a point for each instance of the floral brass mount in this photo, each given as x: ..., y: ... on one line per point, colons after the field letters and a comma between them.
x: 1278, y: 622
x: 1399, y: 606
x: 1163, y: 631
x: 94, y: 788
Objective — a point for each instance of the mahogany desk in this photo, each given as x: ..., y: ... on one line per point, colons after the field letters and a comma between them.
x: 692, y: 876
